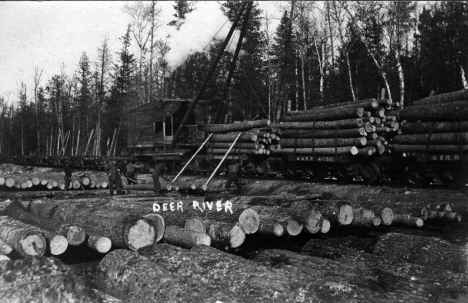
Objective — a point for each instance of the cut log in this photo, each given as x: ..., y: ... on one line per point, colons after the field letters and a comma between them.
x: 25, y: 239
x: 164, y: 267
x: 41, y: 279
x: 407, y: 220
x: 230, y: 137
x: 4, y: 257
x: 185, y: 238
x: 271, y: 227
x: 227, y: 145
x: 85, y: 181
x: 234, y: 151
x: 247, y: 218
x: 57, y: 244
x: 443, y: 216
x: 448, y: 113
x: 5, y: 248
x: 321, y: 151
x: 326, y: 225
x: 442, y: 98
x: 328, y: 134
x: 195, y: 223
x: 235, y: 127
x: 423, y: 250
x: 99, y: 244
x: 226, y: 235
x: 74, y: 234
x: 368, y: 103
x: 159, y: 224
x: 323, y: 125
x: 436, y: 138
x: 302, y: 142
x: 329, y: 115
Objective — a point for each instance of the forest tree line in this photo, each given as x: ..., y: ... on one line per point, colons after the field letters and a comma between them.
x: 321, y: 52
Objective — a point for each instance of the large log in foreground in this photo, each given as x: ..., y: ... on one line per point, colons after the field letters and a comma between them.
x: 180, y: 275
x: 25, y: 239
x: 423, y: 250
x: 40, y: 279
x: 236, y: 126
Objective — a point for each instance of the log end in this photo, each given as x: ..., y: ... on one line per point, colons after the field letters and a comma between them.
x: 354, y: 150
x: 205, y: 187
x: 159, y: 223
x: 3, y: 257
x: 326, y: 225
x: 203, y: 239
x: 76, y: 235
x: 249, y: 220
x: 237, y: 236
x: 314, y: 222
x: 58, y: 245
x: 346, y: 215
x: 278, y: 229
x: 140, y: 234
x: 376, y: 221
x: 100, y: 244
x: 386, y: 216
x: 33, y: 245
x: 193, y: 187
x: 196, y: 224
x: 294, y: 227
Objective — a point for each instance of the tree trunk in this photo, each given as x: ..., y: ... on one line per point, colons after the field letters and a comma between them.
x: 432, y: 127
x: 436, y: 139
x: 185, y: 238
x: 165, y: 267
x: 303, y: 142
x: 443, y: 98
x: 43, y: 280
x: 329, y: 134
x: 324, y: 151
x: 235, y: 127
x: 326, y: 116
x: 401, y: 77
x: 230, y: 137
x: 25, y: 239
x: 322, y: 125
x: 99, y: 244
x: 399, y: 148
x: 436, y: 114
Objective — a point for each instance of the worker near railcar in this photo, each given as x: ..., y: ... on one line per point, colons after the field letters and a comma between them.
x: 233, y: 175
x: 158, y: 172
x: 122, y: 167
x: 68, y: 175
x: 114, y: 178
x: 131, y: 172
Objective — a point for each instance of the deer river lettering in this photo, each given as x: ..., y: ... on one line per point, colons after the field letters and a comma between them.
x: 201, y: 206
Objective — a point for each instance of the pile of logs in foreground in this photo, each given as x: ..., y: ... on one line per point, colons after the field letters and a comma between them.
x: 23, y: 181
x: 325, y: 270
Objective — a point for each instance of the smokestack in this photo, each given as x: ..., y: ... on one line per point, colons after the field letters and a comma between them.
x: 167, y: 87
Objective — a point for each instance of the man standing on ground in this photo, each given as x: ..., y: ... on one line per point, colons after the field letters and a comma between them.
x: 233, y: 176
x: 131, y: 172
x: 68, y: 175
x: 158, y: 172
x: 114, y: 179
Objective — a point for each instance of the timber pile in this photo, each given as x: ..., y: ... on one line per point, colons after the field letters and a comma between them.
x: 256, y: 138
x: 349, y: 128
x: 435, y: 125
x: 14, y: 177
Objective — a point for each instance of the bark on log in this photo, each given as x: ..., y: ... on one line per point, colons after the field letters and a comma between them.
x: 302, y: 142
x: 41, y: 279
x: 246, y: 217
x: 327, y: 134
x: 225, y: 235
x: 423, y: 250
x: 227, y: 145
x: 341, y: 282
x: 443, y: 216
x: 320, y: 151
x: 25, y: 239
x: 230, y: 137
x: 75, y: 234
x: 442, y: 98
x: 368, y: 103
x: 323, y: 125
x: 159, y: 223
x: 434, y: 127
x: 437, y: 114
x: 195, y: 223
x: 171, y: 270
x: 271, y: 227
x: 327, y: 115
x: 233, y: 151
x: 407, y: 220
x: 436, y: 139
x: 185, y: 238
x: 235, y: 127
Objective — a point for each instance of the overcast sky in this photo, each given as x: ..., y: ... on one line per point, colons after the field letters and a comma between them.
x: 49, y: 34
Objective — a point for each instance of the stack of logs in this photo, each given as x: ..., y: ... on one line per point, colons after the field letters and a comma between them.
x: 434, y: 125
x: 349, y: 128
x: 254, y: 138
x: 122, y: 222
x: 24, y: 182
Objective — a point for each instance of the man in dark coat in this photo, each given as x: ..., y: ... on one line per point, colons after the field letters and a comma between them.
x: 68, y: 175
x: 233, y: 176
x: 114, y: 179
x: 158, y: 172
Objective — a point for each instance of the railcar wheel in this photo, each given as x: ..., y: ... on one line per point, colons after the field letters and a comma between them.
x: 263, y: 169
x: 371, y: 173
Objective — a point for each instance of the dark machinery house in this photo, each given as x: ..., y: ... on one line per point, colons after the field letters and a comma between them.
x: 151, y: 128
